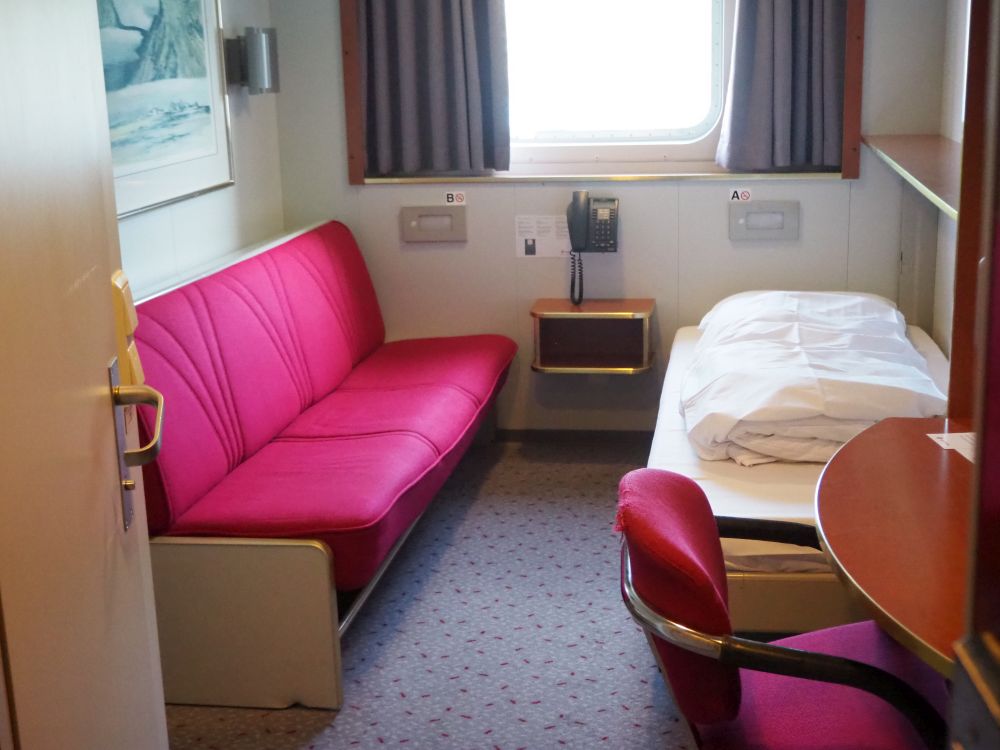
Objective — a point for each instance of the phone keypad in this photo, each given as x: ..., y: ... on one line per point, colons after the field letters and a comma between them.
x: 601, y: 221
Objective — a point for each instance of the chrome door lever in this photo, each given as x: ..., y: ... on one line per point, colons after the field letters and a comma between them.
x: 124, y: 395
x: 121, y: 397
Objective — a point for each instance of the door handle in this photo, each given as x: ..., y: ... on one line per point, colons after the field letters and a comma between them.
x: 125, y: 395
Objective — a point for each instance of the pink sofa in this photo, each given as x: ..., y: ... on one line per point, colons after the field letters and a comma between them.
x: 287, y: 413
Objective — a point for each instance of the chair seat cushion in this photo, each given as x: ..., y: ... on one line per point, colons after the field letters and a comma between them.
x: 790, y: 713
x: 355, y: 494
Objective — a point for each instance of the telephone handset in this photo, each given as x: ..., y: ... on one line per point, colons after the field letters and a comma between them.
x: 593, y: 228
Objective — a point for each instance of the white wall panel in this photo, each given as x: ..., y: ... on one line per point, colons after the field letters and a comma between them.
x: 148, y: 249
x: 712, y: 266
x: 956, y: 40
x: 311, y: 123
x: 170, y: 242
x: 904, y: 47
x: 645, y: 266
x: 873, y: 249
x: 447, y: 288
x: 944, y: 282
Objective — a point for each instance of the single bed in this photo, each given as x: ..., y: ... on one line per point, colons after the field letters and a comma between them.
x: 772, y: 587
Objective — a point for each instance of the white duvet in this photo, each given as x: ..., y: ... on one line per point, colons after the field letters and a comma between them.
x: 790, y: 376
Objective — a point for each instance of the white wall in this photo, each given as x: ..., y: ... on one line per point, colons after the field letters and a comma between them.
x: 956, y: 40
x: 904, y: 46
x: 164, y: 245
x: 674, y: 242
x: 952, y: 120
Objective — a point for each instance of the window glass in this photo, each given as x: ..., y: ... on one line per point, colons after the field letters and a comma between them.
x: 623, y: 72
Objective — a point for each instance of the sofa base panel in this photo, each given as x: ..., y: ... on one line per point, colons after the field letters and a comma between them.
x: 247, y: 622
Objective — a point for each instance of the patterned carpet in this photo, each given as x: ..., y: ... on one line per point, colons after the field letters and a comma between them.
x: 499, y: 625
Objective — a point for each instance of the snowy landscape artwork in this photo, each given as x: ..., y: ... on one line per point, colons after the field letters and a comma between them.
x: 166, y: 107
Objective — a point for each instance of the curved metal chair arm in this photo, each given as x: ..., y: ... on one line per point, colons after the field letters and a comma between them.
x: 786, y: 532
x: 766, y: 657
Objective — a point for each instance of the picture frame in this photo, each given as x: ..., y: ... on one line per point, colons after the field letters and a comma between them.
x: 168, y: 109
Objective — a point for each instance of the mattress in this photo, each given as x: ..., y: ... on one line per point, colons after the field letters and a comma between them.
x: 778, y: 491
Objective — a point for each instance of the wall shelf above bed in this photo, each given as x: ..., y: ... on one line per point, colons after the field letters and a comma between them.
x: 932, y: 164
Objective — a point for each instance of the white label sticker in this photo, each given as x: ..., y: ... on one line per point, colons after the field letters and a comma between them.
x: 453, y: 199
x: 963, y: 442
x: 541, y: 236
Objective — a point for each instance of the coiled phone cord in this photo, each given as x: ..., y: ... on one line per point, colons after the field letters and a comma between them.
x: 575, y: 277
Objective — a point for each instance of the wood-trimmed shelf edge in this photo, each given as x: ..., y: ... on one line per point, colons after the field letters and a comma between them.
x: 932, y: 164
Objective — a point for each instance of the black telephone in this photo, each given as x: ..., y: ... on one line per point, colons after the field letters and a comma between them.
x: 593, y: 223
x: 593, y: 228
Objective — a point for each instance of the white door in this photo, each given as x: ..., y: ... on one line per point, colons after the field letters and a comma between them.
x: 78, y: 628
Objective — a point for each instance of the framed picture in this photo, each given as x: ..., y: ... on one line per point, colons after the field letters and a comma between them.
x: 167, y: 107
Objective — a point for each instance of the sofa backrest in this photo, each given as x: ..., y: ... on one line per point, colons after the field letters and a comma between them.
x: 239, y: 354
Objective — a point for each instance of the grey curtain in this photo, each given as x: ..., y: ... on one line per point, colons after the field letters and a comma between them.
x: 784, y: 106
x: 435, y: 84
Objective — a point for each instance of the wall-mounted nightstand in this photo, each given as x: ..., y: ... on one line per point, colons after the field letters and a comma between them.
x: 604, y: 336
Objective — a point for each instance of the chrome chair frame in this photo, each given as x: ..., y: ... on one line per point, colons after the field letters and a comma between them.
x: 766, y: 657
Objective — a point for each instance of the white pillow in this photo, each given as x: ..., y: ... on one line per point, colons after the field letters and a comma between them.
x: 827, y: 308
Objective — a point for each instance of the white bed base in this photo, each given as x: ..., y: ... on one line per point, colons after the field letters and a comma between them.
x: 789, y: 602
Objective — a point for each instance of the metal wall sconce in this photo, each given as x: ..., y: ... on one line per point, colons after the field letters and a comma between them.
x: 252, y: 60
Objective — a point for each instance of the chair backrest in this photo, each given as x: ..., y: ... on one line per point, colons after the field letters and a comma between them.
x: 678, y: 570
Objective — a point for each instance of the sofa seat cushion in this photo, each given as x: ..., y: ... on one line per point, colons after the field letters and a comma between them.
x: 356, y: 494
x: 436, y: 414
x: 471, y: 364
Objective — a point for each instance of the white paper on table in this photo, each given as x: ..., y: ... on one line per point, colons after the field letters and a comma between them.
x: 541, y: 236
x: 963, y: 442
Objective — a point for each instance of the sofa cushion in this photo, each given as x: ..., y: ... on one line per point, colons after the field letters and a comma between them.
x: 355, y: 494
x: 239, y: 354
x: 433, y: 388
x: 471, y: 364
x: 437, y: 414
x: 355, y: 470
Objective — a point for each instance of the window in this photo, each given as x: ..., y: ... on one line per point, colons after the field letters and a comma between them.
x: 624, y: 89
x: 605, y: 84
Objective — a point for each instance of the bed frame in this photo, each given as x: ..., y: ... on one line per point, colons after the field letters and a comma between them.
x: 789, y: 602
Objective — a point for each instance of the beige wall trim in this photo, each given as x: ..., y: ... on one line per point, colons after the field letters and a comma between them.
x: 504, y: 179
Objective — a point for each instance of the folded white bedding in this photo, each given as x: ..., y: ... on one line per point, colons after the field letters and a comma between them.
x: 790, y: 376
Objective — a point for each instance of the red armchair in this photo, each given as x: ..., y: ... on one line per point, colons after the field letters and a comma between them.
x: 845, y: 687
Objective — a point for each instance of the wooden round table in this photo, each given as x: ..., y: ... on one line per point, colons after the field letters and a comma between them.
x: 893, y: 511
